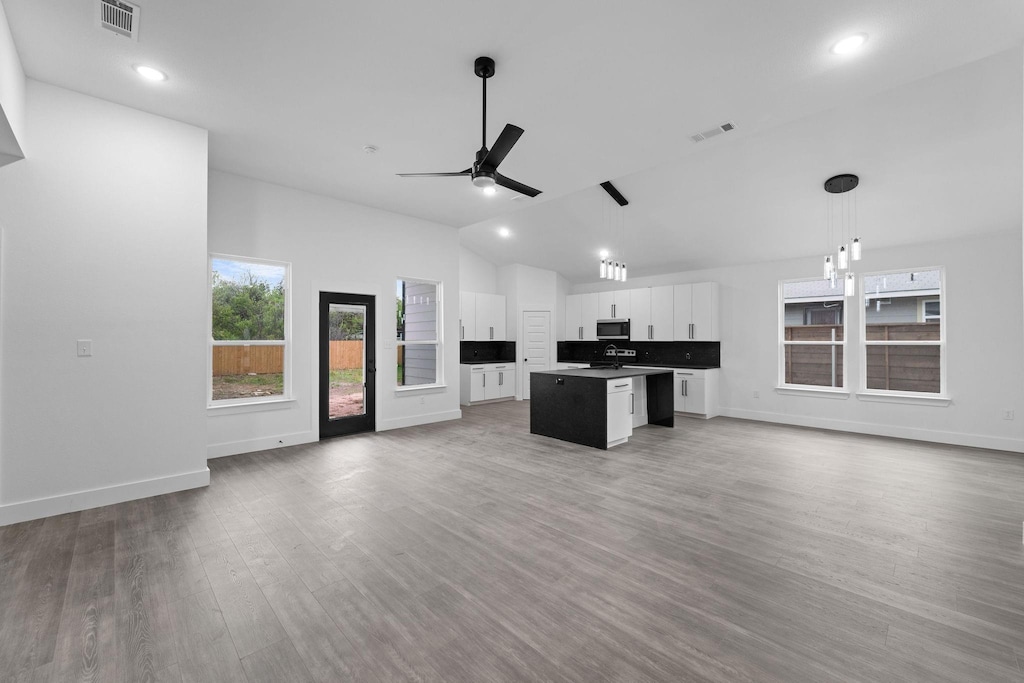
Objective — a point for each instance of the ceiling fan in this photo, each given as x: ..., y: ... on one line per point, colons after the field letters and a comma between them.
x: 484, y: 170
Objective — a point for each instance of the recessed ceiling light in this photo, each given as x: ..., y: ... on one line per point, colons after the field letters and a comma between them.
x: 504, y: 232
x: 850, y: 44
x: 369, y: 149
x: 490, y: 190
x: 149, y: 73
x: 604, y: 253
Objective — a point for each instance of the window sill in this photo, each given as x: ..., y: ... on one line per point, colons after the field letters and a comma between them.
x: 421, y: 389
x: 825, y: 392
x: 249, y: 406
x: 905, y: 397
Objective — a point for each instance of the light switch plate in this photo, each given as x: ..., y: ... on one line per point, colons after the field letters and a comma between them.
x: 84, y: 347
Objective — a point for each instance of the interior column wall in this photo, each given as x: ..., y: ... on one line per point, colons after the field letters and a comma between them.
x: 104, y: 239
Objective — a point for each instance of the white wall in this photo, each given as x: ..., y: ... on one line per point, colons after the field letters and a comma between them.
x: 476, y: 274
x: 342, y: 247
x: 104, y: 238
x: 12, y: 96
x: 985, y: 337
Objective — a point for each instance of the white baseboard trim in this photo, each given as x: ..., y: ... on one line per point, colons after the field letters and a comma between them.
x: 412, y: 421
x: 221, y: 450
x: 952, y: 438
x: 12, y: 513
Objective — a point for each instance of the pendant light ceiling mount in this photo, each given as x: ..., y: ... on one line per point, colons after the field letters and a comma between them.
x: 844, y: 182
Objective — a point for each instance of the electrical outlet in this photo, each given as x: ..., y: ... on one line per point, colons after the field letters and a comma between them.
x: 1007, y: 414
x: 757, y: 394
x: 84, y: 347
x: 421, y: 400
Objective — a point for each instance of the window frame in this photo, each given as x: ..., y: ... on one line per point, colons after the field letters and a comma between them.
x: 894, y: 395
x: 267, y: 402
x: 785, y: 387
x: 437, y: 342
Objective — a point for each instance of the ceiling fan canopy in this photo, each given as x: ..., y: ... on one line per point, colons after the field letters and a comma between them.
x: 484, y: 171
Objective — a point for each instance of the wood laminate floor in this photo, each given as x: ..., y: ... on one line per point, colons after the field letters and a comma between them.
x: 471, y: 550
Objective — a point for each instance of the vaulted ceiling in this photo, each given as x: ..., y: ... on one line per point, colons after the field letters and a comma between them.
x: 929, y: 113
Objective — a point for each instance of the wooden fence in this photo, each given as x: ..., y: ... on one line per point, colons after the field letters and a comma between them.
x: 262, y: 360
x: 896, y: 368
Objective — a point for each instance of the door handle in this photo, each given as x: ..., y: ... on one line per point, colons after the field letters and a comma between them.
x: 485, y: 379
x: 501, y: 378
x: 631, y: 404
x: 613, y: 310
x: 650, y: 331
x: 581, y: 331
x: 686, y: 387
x: 682, y: 387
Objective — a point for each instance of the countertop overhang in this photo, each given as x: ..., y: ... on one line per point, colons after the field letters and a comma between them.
x: 605, y: 373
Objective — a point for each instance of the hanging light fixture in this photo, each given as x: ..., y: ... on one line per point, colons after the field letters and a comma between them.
x: 612, y: 269
x: 849, y: 248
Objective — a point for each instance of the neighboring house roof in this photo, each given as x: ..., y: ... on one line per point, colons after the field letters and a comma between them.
x: 920, y: 282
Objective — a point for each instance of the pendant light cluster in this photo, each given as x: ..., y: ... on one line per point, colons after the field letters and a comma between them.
x: 841, y: 222
x: 613, y: 269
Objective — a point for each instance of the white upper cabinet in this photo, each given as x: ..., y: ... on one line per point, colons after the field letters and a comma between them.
x: 696, y: 312
x: 490, y: 317
x: 612, y: 305
x: 581, y: 317
x: 481, y: 317
x: 467, y: 316
x: 651, y: 314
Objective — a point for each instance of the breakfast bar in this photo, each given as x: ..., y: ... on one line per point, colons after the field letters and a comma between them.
x: 595, y: 406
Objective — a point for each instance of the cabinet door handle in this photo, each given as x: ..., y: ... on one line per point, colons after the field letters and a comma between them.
x: 650, y: 331
x: 619, y: 386
x: 613, y: 310
x: 501, y: 378
x: 462, y: 331
x: 485, y: 379
x: 581, y: 331
x: 686, y: 387
x: 682, y: 387
x: 631, y: 404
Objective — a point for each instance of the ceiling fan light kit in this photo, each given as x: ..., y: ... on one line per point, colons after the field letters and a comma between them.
x: 484, y: 171
x: 838, y: 187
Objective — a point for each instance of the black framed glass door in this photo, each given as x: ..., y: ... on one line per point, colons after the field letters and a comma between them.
x: 347, y: 364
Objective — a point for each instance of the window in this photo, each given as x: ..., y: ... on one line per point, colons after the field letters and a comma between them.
x: 418, y: 324
x: 903, y: 334
x: 249, y: 306
x: 812, y: 334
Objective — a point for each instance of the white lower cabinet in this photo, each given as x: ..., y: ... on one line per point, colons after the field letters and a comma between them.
x: 696, y: 391
x: 486, y: 382
x: 620, y: 406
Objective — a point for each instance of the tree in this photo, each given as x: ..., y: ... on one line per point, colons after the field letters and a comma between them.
x: 250, y: 309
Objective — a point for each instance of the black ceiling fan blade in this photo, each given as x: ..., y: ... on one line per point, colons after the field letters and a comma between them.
x: 502, y: 146
x: 433, y: 175
x: 515, y: 185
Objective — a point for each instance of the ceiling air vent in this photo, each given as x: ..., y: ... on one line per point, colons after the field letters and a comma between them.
x: 120, y: 17
x: 718, y: 130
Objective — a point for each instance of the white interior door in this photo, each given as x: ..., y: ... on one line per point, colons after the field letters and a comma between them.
x: 536, y: 336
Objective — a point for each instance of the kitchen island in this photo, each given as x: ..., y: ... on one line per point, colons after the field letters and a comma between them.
x: 594, y: 406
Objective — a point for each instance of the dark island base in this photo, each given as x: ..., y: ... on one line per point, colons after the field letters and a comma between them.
x: 571, y: 407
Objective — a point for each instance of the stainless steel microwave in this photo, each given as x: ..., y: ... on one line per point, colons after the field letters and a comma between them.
x: 617, y: 328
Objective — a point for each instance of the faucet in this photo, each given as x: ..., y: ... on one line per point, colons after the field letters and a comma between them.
x: 615, y: 354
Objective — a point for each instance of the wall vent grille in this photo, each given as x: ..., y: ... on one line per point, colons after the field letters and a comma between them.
x: 119, y: 17
x: 717, y: 130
